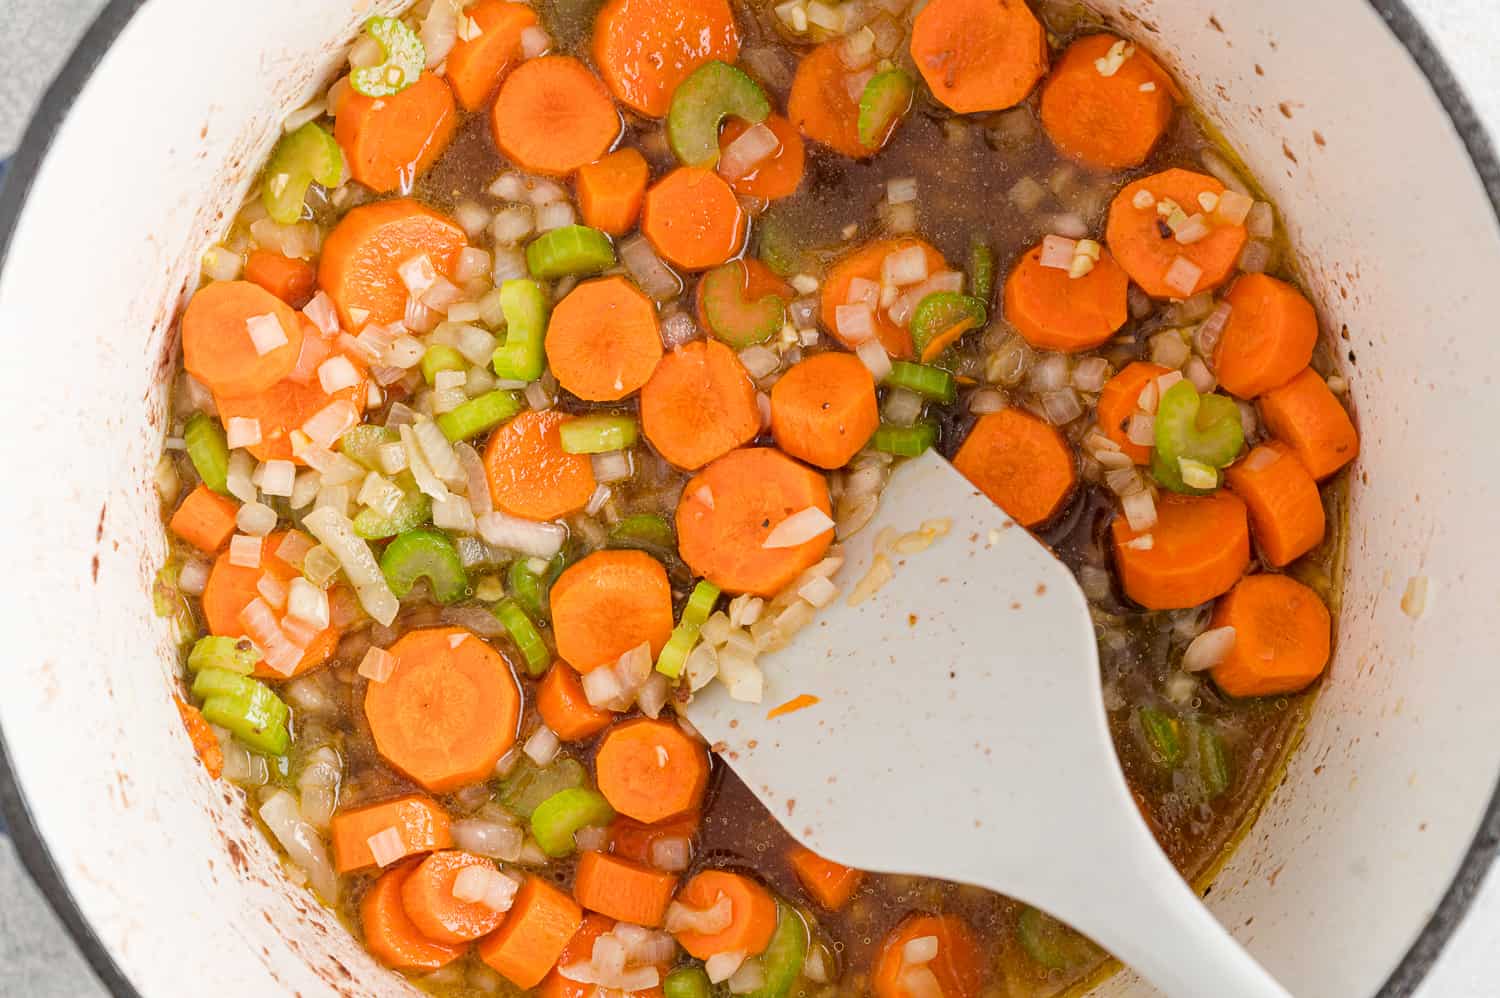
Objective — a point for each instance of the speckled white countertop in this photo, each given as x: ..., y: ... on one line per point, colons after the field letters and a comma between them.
x: 36, y: 957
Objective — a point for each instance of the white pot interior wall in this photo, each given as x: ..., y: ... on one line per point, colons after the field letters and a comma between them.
x: 1398, y: 243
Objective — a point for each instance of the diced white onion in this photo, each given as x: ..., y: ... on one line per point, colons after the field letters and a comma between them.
x: 923, y: 949
x: 1090, y: 374
x: 1057, y: 252
x: 256, y: 519
x: 612, y: 466
x: 307, y: 603
x: 1140, y: 429
x: 244, y: 551
x: 534, y: 42
x: 672, y: 853
x: 759, y: 361
x: 386, y: 846
x: 266, y: 333
x: 489, y: 838
x: 1260, y: 223
x: 554, y: 216
x: 1183, y: 275
x: 1140, y: 510
x: 755, y: 145
x: 648, y: 270
x: 377, y: 665
x: 907, y: 266
x: 799, y: 528
x: 301, y: 841
x: 874, y: 357
x: 417, y: 273
x: 751, y: 976
x: 278, y: 478
x: 855, y: 323
x: 1062, y: 407
x: 1208, y: 649
x: 337, y: 534
x: 509, y: 533
x: 331, y: 422
x: 241, y: 432
x: 721, y: 966
x: 542, y: 747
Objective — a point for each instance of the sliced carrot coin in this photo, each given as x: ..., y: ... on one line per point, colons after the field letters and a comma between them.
x: 610, y: 190
x: 1107, y: 122
x: 1199, y: 548
x: 420, y: 822
x: 752, y: 919
x: 979, y: 55
x: 623, y: 890
x: 206, y: 520
x: 1053, y: 310
x: 1286, y: 510
x: 536, y: 935
x: 231, y: 588
x: 1268, y: 338
x: 1145, y: 246
x: 958, y: 966
x: 867, y: 263
x: 218, y: 347
x: 603, y: 340
x: 832, y: 884
x: 447, y: 712
x: 693, y: 219
x: 389, y: 142
x: 1307, y: 417
x: 1281, y: 637
x: 362, y: 257
x: 553, y: 116
x: 650, y: 770
x: 609, y: 603
x: 1023, y: 464
x: 1119, y: 401
x: 823, y: 410
x: 391, y: 936
x: 699, y: 405
x: 290, y: 279
x: 432, y: 907
x: 820, y: 105
x: 564, y: 707
x: 778, y: 175
x: 530, y: 475
x: 477, y: 64
x: 645, y: 48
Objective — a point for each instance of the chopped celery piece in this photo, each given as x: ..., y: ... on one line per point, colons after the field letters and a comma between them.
x: 783, y: 958
x: 939, y: 312
x: 557, y: 818
x: 733, y: 317
x: 713, y: 92
x: 246, y: 707
x: 425, y: 553
x: 413, y: 510
x: 1193, y: 427
x: 441, y: 357
x: 1051, y: 943
x: 529, y: 784
x: 362, y: 444
x: 905, y: 441
x: 1214, y: 770
x: 404, y: 58
x: 237, y: 655
x: 208, y: 450
x: 528, y: 589
x: 644, y: 532
x: 573, y: 250
x: 521, y: 357
x: 1163, y: 734
x: 687, y: 982
x: 597, y: 434
x: 931, y: 382
x: 981, y: 268
x: 778, y: 243
x: 685, y: 635
x: 882, y: 103
x: 524, y: 633
x: 309, y: 154
x: 479, y: 415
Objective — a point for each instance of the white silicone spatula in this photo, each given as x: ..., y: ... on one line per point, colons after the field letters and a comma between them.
x: 960, y: 733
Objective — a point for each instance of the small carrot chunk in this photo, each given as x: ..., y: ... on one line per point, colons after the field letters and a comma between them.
x: 447, y: 712
x: 432, y: 907
x: 231, y: 588
x: 693, y: 219
x: 1281, y: 637
x: 752, y: 919
x: 1023, y: 464
x: 390, y: 934
x: 779, y: 174
x: 553, y: 116
x: 1107, y: 122
x: 390, y: 141
x: 623, y: 890
x: 958, y: 966
x: 420, y: 821
x: 820, y: 105
x: 1135, y: 235
x: 1286, y: 511
x: 867, y: 263
x: 636, y: 840
x: 201, y: 734
x: 205, y: 519
x: 823, y: 410
x: 729, y: 510
x: 218, y: 348
x: 477, y: 64
x: 535, y: 935
x: 979, y: 55
x: 290, y: 279
x: 609, y: 603
x: 1306, y: 416
x: 1200, y: 546
x: 360, y: 267
x: 645, y: 48
x: 603, y: 341
x: 530, y: 475
x: 610, y: 190
x: 699, y: 405
x: 1053, y: 310
x: 650, y: 770
x: 565, y: 709
x: 831, y: 884
x: 1121, y: 399
x: 1268, y: 339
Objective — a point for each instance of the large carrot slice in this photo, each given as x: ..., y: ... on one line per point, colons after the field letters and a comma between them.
x: 1107, y: 122
x: 1120, y: 400
x: 477, y: 64
x: 553, y: 116
x: 447, y: 712
x: 231, y: 588
x: 536, y: 935
x: 635, y: 840
x: 419, y: 821
x: 1305, y: 415
x: 820, y: 105
x: 958, y: 966
x: 693, y: 219
x: 699, y: 404
x: 610, y: 191
x: 1145, y: 246
x: 218, y: 348
x: 290, y: 279
x: 979, y: 55
x: 288, y: 404
x: 389, y: 142
x: 823, y: 410
x: 564, y: 708
x: 622, y: 890
x: 391, y: 936
x: 866, y: 263
x: 609, y: 603
x: 1199, y: 548
x: 1286, y: 511
x: 1281, y: 637
x: 650, y: 770
x: 360, y: 265
x: 645, y: 48
x: 205, y: 519
x: 752, y: 918
x: 1055, y: 311
x: 1268, y: 339
x: 428, y: 899
x: 832, y: 884
x: 530, y: 475
x: 778, y: 175
x: 603, y: 340
x: 729, y: 509
x: 1023, y: 464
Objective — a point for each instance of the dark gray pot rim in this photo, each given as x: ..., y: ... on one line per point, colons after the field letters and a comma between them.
x: 22, y: 172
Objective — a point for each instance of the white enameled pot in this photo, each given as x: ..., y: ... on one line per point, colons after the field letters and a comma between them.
x: 1347, y: 885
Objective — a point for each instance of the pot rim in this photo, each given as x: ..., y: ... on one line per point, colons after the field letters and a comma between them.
x: 25, y: 164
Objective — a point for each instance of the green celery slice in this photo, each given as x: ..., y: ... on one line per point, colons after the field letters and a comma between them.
x: 525, y: 634
x: 1214, y: 768
x: 441, y: 357
x: 425, y: 553
x: 246, y: 707
x: 732, y: 317
x: 528, y: 589
x: 571, y: 251
x: 1051, y: 943
x: 714, y: 91
x: 940, y: 311
x: 237, y: 655
x: 885, y: 99
x: 784, y: 957
x: 905, y: 441
x: 405, y: 56
x: 598, y: 434
x: 208, y: 449
x: 687, y: 982
x: 927, y: 381
x: 559, y: 817
x: 1202, y: 428
x: 685, y: 635
x: 981, y: 268
x: 522, y: 357
x: 309, y: 154
x: 362, y: 444
x: 528, y: 785
x: 644, y: 532
x: 1163, y: 734
x: 479, y: 415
